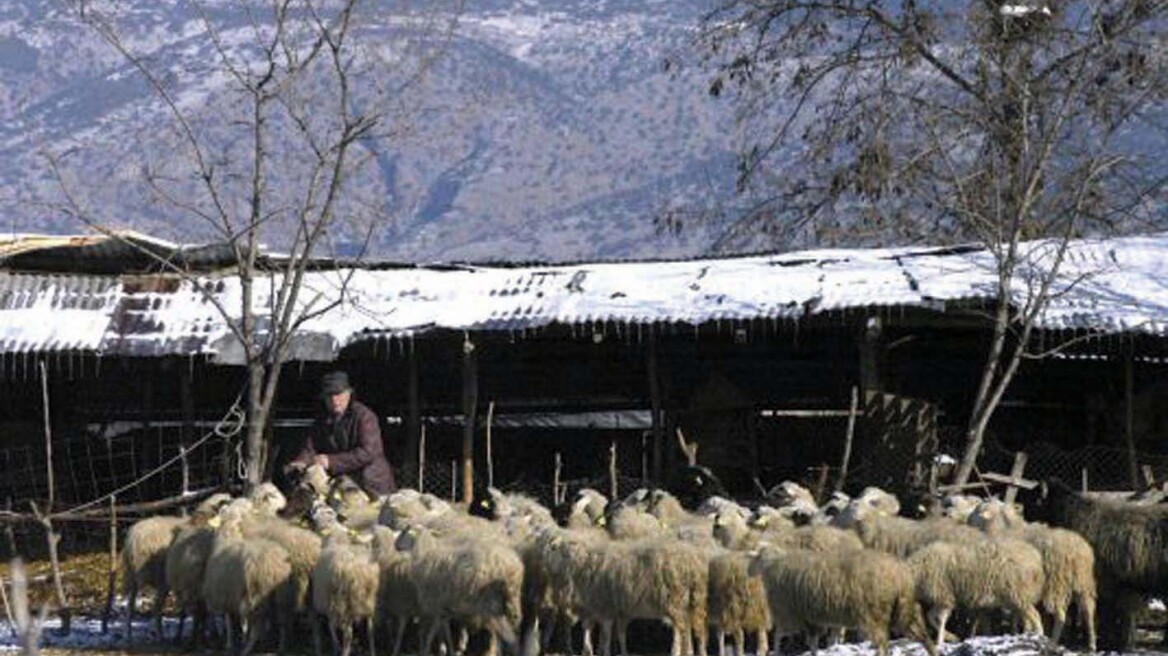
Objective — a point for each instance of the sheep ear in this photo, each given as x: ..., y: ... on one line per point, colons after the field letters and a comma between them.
x: 215, y: 521
x: 602, y: 521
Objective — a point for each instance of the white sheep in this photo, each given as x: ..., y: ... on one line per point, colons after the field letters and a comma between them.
x: 1067, y: 558
x: 186, y: 560
x: 478, y: 582
x: 397, y: 593
x: 587, y: 509
x: 267, y: 500
x: 303, y: 549
x: 979, y: 574
x: 144, y: 558
x: 737, y: 602
x: 901, y: 536
x: 609, y: 583
x: 243, y: 577
x: 862, y: 589
x: 345, y: 584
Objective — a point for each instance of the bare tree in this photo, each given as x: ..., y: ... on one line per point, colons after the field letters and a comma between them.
x: 275, y: 165
x: 1016, y: 124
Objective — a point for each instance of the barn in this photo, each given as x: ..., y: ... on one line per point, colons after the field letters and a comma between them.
x: 778, y: 366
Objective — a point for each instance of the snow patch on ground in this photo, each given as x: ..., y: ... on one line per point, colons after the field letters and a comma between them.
x: 86, y: 633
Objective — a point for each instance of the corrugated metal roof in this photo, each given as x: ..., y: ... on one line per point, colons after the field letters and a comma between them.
x: 1117, y: 285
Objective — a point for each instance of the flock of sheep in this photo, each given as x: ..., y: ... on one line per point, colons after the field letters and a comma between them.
x: 518, y: 570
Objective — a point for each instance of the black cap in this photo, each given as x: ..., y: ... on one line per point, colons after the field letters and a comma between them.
x: 334, y: 382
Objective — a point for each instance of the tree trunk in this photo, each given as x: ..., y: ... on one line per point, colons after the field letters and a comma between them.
x: 255, y: 447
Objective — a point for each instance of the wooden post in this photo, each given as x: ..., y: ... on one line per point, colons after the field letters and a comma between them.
x: 422, y: 459
x: 48, y: 435
x: 453, y: 481
x: 9, y: 534
x: 821, y: 482
x: 556, y: 500
x: 4, y: 598
x: 690, y: 449
x: 657, y: 428
x: 843, y: 475
x: 46, y: 520
x: 612, y: 480
x: 27, y: 629
x: 111, y: 590
x: 415, y: 431
x: 470, y: 394
x: 490, y: 459
x: 186, y: 473
x: 52, y: 538
x: 1129, y: 419
x: 1016, y: 475
x: 1083, y: 480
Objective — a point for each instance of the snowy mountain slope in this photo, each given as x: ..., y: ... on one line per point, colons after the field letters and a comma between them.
x: 547, y: 130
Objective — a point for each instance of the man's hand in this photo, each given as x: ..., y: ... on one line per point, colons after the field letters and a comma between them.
x: 321, y: 460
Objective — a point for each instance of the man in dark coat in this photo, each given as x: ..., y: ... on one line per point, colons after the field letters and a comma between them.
x: 346, y: 439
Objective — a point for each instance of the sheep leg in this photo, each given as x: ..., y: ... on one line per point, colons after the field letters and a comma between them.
x: 1057, y: 625
x: 449, y: 637
x: 346, y: 638
x: 159, y: 599
x: 314, y: 626
x: 230, y: 634
x: 720, y: 638
x: 939, y: 617
x: 372, y: 642
x: 182, y: 620
x: 586, y: 648
x: 606, y: 638
x: 1086, y: 605
x: 1031, y: 620
x: 762, y: 647
x: 428, y: 640
x: 401, y: 633
x: 463, y: 640
x: 251, y: 628
x: 133, y: 601
x: 622, y: 636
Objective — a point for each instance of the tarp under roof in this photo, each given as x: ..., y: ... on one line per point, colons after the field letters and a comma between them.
x: 1112, y: 286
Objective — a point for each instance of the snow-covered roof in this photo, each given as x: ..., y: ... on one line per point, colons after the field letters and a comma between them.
x: 1117, y: 285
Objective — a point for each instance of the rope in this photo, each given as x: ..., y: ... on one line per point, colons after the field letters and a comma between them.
x: 227, y: 427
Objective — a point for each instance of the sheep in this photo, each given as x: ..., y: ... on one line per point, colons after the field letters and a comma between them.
x: 144, y: 558
x: 732, y: 532
x: 901, y: 536
x: 406, y: 506
x: 397, y: 594
x: 586, y: 510
x: 628, y: 522
x: 984, y: 573
x: 267, y: 500
x: 605, y: 582
x: 737, y: 602
x: 1130, y: 543
x: 1067, y: 559
x: 661, y: 579
x: 885, y: 502
x: 303, y: 549
x: 478, y: 582
x: 243, y: 576
x: 344, y: 582
x: 863, y: 589
x: 508, y: 505
x: 186, y: 560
